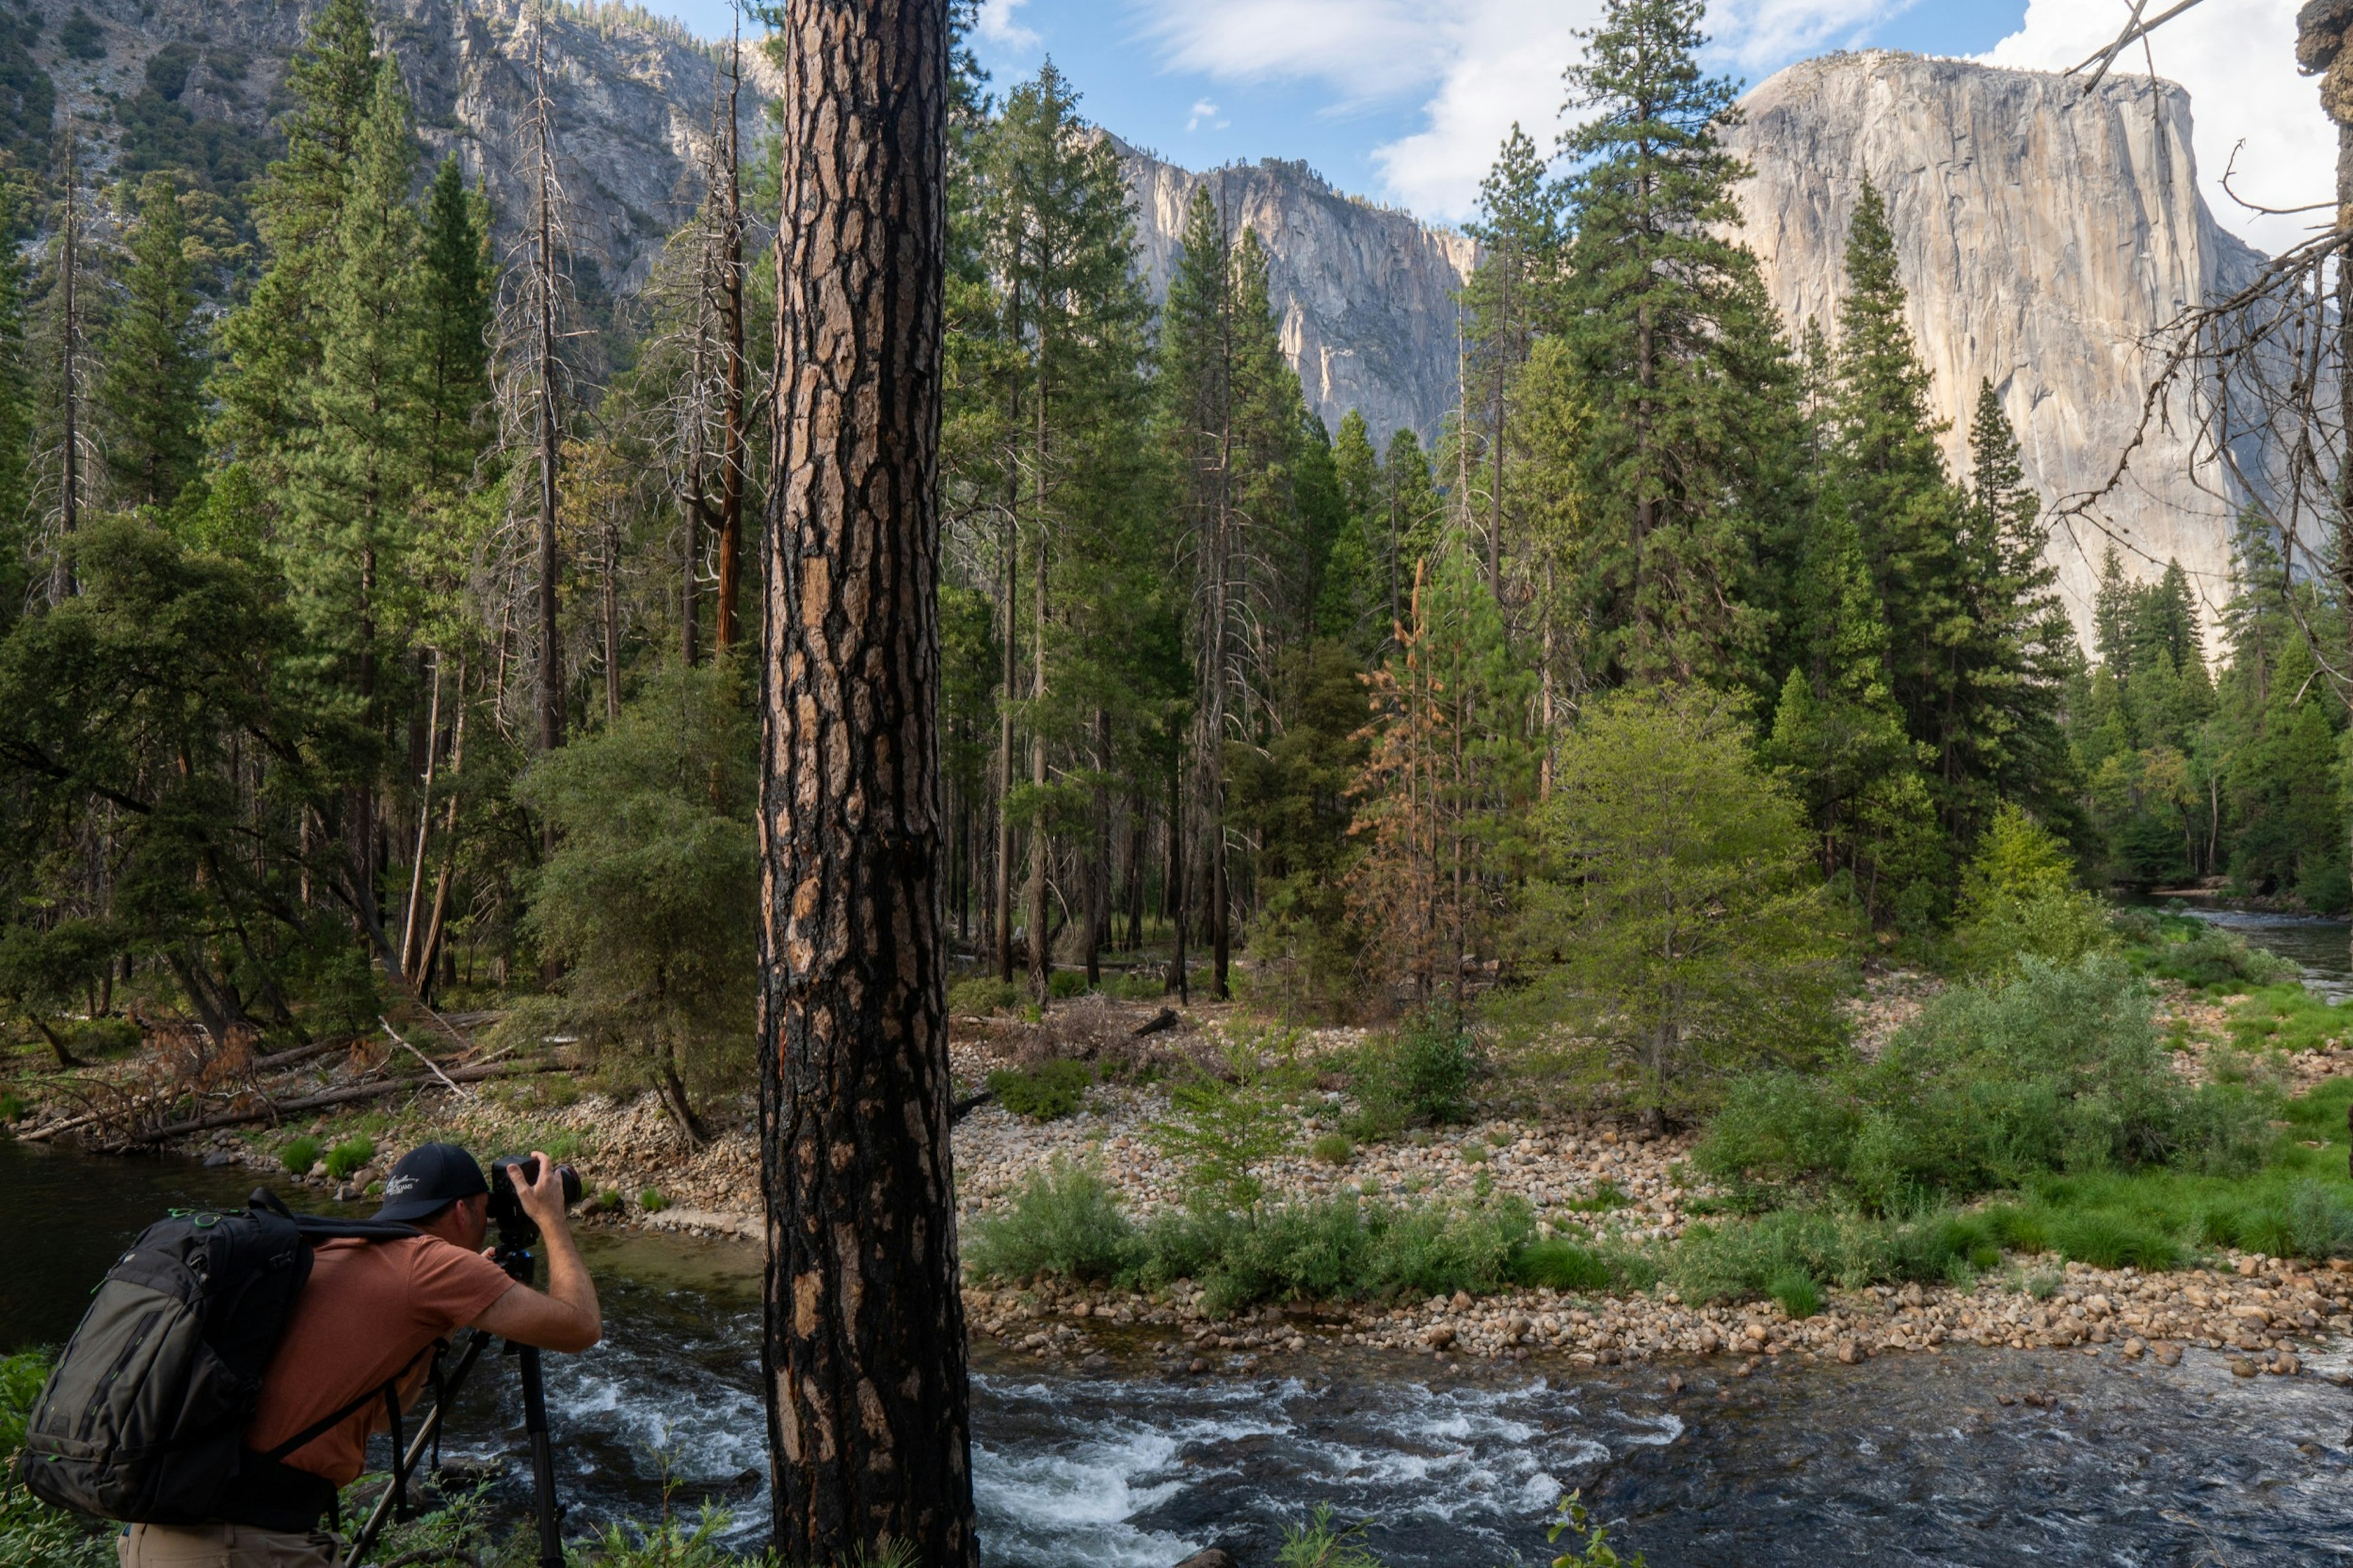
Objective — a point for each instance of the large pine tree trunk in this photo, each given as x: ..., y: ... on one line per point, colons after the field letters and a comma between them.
x: 864, y: 1339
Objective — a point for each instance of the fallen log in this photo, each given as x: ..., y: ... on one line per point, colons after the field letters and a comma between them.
x: 299, y: 1054
x: 1165, y: 1019
x: 350, y: 1094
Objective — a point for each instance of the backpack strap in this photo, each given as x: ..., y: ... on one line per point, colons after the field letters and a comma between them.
x: 390, y: 1389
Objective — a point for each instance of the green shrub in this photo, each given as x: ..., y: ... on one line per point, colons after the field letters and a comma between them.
x: 1321, y: 1544
x: 2107, y: 1241
x: 1796, y: 1290
x: 1046, y: 1092
x: 1332, y: 1149
x: 1561, y: 1265
x: 1420, y: 1074
x: 651, y: 1200
x: 104, y: 1036
x: 2019, y: 900
x: 300, y: 1155
x: 2201, y: 956
x: 348, y: 1156
x: 1136, y: 985
x: 2058, y: 1069
x: 12, y: 1108
x: 1063, y: 1221
x: 1606, y: 1196
x: 1065, y: 983
x: 982, y: 995
x: 1338, y: 1249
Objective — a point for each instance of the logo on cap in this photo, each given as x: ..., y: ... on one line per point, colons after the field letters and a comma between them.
x: 397, y: 1185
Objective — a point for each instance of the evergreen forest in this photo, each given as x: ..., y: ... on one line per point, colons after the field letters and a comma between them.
x: 378, y: 609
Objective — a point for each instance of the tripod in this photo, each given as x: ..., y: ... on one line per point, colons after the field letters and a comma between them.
x: 517, y: 1261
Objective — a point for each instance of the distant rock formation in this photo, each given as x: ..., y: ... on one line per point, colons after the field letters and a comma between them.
x: 2046, y: 239
x: 633, y: 102
x: 1366, y: 292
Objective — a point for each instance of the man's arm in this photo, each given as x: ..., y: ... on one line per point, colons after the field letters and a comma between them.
x: 567, y: 1317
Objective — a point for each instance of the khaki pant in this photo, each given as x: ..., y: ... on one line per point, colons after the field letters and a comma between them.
x: 223, y: 1546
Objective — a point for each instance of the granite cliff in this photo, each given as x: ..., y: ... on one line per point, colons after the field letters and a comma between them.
x: 633, y: 98
x: 1366, y: 293
x: 2046, y: 239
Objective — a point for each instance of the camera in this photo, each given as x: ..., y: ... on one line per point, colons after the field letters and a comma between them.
x: 507, y: 1172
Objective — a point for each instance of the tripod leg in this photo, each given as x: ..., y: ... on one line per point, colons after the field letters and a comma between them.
x: 543, y: 1459
x: 382, y: 1512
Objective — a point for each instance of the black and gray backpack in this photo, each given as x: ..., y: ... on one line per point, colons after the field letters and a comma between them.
x: 143, y: 1417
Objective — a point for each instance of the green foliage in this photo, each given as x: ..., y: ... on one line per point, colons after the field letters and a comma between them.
x: 2060, y: 1070
x: 80, y: 37
x: 1223, y: 1127
x: 651, y: 1200
x: 1065, y: 983
x: 1319, y: 1543
x: 1046, y: 1092
x: 1688, y: 399
x: 650, y: 897
x: 299, y: 1155
x: 1063, y: 1221
x: 1560, y: 1264
x: 348, y: 1156
x: 2198, y: 954
x: 2286, y: 1017
x: 2019, y: 900
x: 982, y: 995
x: 1590, y: 1542
x: 1418, y: 1074
x: 1796, y: 1291
x: 1337, y: 1249
x: 12, y: 1107
x: 1332, y: 1149
x: 1680, y: 926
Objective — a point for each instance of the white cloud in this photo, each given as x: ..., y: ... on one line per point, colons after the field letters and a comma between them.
x: 997, y: 25
x: 1204, y: 113
x: 1477, y: 66
x: 2237, y: 57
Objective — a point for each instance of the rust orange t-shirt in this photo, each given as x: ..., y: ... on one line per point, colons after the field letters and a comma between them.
x: 369, y: 1307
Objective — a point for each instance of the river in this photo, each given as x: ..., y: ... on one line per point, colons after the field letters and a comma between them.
x: 1904, y: 1460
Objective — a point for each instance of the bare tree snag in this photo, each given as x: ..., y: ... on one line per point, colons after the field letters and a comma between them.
x: 863, y: 1347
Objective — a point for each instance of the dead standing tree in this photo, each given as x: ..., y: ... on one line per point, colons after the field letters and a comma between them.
x: 533, y: 380
x: 863, y: 1346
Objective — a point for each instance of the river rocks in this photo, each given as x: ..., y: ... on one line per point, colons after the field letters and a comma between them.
x: 2242, y: 1367
x: 1215, y: 1557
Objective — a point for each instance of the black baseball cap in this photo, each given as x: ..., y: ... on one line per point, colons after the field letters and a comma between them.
x: 428, y: 1179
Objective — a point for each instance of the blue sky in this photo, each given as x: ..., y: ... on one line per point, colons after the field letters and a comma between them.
x: 1405, y: 101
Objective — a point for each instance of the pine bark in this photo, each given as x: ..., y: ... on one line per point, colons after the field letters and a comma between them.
x: 864, y: 1334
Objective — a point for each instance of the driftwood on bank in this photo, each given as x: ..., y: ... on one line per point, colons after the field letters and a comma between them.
x: 271, y: 1111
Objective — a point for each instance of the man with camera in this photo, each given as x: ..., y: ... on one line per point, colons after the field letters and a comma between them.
x: 358, y: 1347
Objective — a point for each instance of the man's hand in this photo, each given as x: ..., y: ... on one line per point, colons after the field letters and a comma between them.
x: 543, y: 1197
x: 567, y: 1318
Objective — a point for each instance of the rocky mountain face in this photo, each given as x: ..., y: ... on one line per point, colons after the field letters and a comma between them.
x: 1366, y: 293
x: 2046, y: 239
x: 633, y: 102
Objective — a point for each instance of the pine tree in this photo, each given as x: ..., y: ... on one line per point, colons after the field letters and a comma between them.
x: 358, y: 458
x: 1233, y: 414
x: 456, y: 294
x: 1519, y: 236
x: 148, y: 390
x: 1354, y: 604
x: 1062, y: 238
x: 1408, y: 518
x: 271, y: 342
x: 15, y: 418
x: 1688, y: 385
